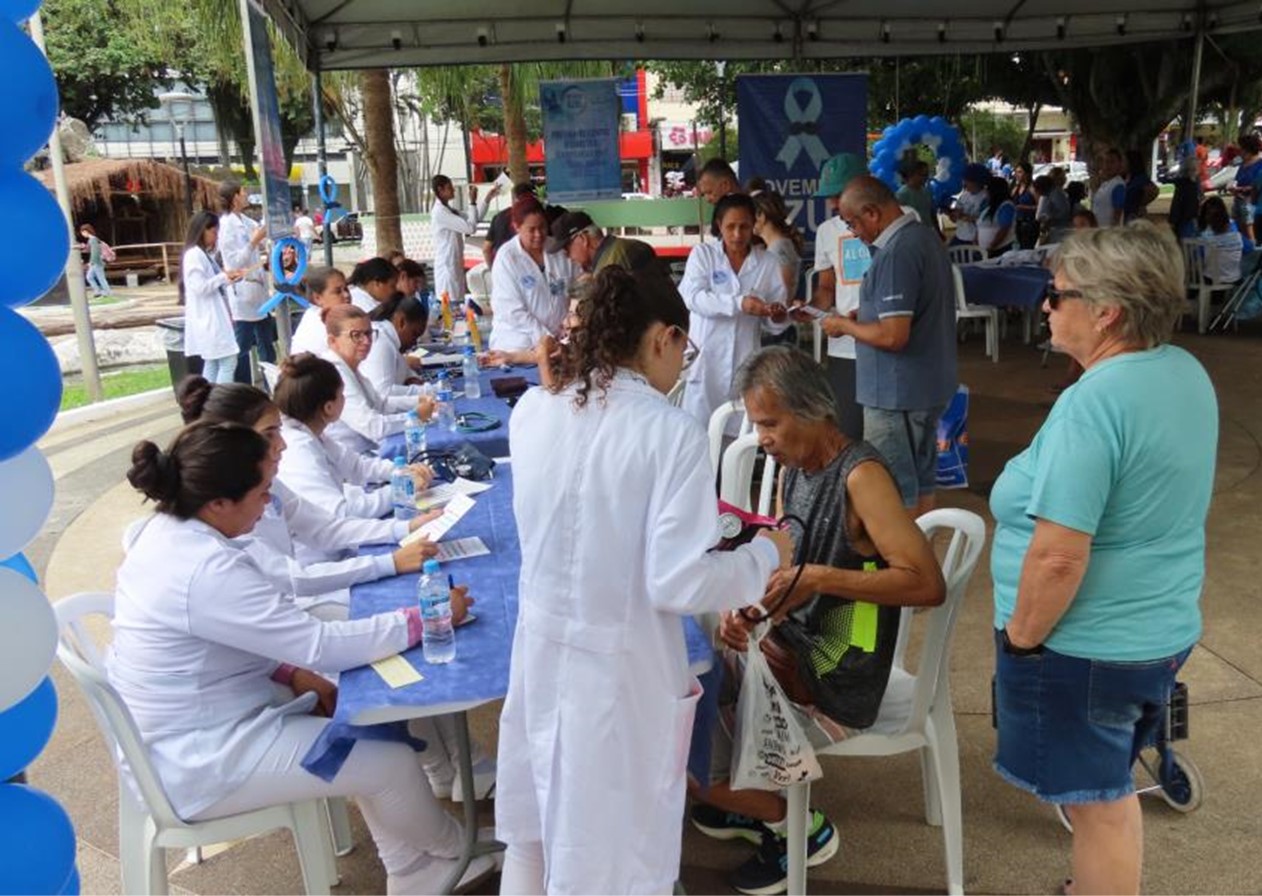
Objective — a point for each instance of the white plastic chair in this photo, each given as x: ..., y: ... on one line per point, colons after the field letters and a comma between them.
x: 818, y: 339
x: 916, y: 713
x: 717, y: 429
x: 987, y: 313
x: 478, y: 279
x: 1197, y: 255
x: 965, y: 254
x: 737, y: 475
x: 676, y: 394
x: 271, y: 375
x: 146, y: 831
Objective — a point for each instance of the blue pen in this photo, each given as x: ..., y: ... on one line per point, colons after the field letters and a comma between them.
x: 451, y: 583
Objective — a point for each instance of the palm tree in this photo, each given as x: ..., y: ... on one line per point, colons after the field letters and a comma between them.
x: 380, y: 155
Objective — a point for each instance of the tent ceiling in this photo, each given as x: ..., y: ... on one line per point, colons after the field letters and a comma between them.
x: 352, y: 34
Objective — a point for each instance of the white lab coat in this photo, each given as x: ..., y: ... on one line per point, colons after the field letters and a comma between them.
x: 527, y: 302
x: 362, y: 300
x: 198, y: 631
x: 367, y: 417
x: 311, y: 334
x: 235, y: 230
x: 208, y: 295
x: 385, y: 367
x: 306, y: 551
x: 328, y: 475
x: 450, y: 228
x: 725, y: 334
x: 616, y: 515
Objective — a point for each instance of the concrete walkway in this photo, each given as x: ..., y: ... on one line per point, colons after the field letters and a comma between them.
x: 1012, y: 843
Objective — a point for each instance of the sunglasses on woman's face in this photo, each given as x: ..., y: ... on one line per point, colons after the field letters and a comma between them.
x: 1056, y: 296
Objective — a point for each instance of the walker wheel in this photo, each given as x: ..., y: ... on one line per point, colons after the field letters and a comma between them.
x: 1185, y: 789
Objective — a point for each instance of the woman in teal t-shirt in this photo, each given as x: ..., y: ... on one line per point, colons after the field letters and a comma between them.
x: 1099, y: 551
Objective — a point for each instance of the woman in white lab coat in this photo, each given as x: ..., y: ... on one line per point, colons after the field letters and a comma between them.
x: 240, y: 237
x: 202, y: 641
x: 735, y: 291
x: 300, y: 544
x: 372, y: 282
x: 449, y: 228
x: 398, y: 324
x: 615, y: 508
x: 207, y: 290
x: 324, y: 472
x: 529, y: 287
x: 326, y: 288
x: 368, y: 417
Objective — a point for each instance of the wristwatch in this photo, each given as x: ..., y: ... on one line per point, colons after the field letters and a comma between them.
x: 1014, y: 650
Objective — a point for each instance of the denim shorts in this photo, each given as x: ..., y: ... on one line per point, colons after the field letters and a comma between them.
x: 908, y: 440
x: 1070, y: 729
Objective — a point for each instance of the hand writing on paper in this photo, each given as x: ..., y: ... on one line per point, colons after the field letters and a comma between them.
x: 460, y: 603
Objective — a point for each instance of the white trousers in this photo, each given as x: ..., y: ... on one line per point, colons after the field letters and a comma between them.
x: 409, y: 827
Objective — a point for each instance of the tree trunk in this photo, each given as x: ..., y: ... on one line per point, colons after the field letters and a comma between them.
x: 1032, y: 113
x: 514, y: 126
x: 379, y: 154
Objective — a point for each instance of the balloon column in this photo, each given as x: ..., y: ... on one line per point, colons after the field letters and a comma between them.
x: 37, y: 841
x: 937, y: 134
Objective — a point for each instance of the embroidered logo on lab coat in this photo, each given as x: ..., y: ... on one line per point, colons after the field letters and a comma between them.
x: 557, y: 287
x: 719, y: 276
x: 528, y: 281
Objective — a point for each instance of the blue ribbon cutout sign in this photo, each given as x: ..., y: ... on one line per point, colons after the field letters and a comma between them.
x: 803, y: 131
x: 287, y: 284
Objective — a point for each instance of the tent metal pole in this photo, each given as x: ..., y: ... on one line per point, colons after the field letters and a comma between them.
x: 74, y: 264
x: 322, y: 159
x: 1190, y: 125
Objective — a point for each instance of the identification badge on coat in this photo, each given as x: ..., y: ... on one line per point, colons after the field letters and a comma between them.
x: 719, y: 277
x: 556, y: 287
x: 528, y: 281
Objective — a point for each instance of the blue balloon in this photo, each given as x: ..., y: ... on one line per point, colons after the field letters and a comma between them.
x: 18, y: 10
x: 37, y: 845
x: 25, y: 728
x: 71, y: 886
x: 28, y: 360
x: 28, y: 103
x: 33, y: 257
x: 19, y: 564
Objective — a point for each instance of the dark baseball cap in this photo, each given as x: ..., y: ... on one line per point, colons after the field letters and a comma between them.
x: 565, y: 228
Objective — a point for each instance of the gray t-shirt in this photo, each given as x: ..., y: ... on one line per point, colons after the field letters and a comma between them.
x: 910, y: 276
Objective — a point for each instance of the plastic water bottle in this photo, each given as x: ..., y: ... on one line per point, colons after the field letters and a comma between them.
x: 414, y: 436
x: 402, y: 491
x: 434, y: 596
x: 445, y: 412
x: 472, y: 377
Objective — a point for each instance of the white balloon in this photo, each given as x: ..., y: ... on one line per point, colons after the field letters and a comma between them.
x: 28, y: 637
x: 26, y: 482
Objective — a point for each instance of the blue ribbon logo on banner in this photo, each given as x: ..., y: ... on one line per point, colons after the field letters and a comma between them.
x: 803, y: 128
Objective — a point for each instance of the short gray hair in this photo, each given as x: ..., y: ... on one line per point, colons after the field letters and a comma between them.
x: 1137, y: 268
x: 794, y: 378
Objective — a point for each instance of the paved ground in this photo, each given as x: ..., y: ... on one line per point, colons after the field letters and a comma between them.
x: 1012, y: 844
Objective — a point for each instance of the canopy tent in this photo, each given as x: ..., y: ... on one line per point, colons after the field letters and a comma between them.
x: 356, y: 34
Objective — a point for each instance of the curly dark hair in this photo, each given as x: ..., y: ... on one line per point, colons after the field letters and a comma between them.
x: 614, y: 312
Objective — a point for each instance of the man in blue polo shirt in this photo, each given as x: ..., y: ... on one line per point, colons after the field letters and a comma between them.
x: 905, y: 337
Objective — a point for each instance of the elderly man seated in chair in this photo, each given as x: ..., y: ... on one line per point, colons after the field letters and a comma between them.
x: 832, y: 643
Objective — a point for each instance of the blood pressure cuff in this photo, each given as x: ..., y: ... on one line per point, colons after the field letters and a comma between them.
x: 464, y: 460
x: 509, y: 386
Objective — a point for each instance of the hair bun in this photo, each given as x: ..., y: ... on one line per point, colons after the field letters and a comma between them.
x: 153, y: 472
x: 191, y: 394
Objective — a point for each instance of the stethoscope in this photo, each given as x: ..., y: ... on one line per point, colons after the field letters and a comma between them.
x: 476, y: 421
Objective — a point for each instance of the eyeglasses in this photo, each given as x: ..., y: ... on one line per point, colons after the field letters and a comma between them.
x: 359, y: 335
x: 1056, y: 296
x: 691, y: 350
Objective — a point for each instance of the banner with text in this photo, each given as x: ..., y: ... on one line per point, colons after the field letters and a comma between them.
x: 266, y: 110
x: 790, y: 125
x: 580, y: 139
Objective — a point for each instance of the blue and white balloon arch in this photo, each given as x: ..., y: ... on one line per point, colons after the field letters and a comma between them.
x: 934, y: 132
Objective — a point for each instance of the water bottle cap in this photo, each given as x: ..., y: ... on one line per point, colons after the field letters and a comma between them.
x: 412, y: 415
x: 467, y: 351
x: 430, y: 567
x: 400, y: 462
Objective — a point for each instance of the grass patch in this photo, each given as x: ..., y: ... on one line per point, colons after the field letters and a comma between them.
x: 112, y: 299
x: 116, y: 384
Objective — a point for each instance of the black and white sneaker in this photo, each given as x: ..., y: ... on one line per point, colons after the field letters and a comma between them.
x: 766, y: 873
x: 723, y: 825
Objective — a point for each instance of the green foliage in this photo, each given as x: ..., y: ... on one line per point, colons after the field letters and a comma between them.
x: 130, y: 381
x: 983, y: 130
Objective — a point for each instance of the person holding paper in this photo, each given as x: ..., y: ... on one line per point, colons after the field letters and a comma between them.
x: 614, y: 501
x: 204, y: 642
x: 367, y: 417
x: 735, y: 291
x: 449, y: 229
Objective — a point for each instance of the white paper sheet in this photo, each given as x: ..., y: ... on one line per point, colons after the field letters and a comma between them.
x: 455, y: 510
x: 461, y: 549
x: 438, y: 495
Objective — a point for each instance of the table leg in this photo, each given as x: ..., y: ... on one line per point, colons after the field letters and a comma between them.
x: 472, y: 846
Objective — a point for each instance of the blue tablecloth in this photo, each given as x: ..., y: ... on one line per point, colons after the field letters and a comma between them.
x: 479, y: 672
x: 492, y: 443
x: 1021, y: 286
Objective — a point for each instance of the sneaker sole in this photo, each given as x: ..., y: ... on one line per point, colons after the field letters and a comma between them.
x: 727, y: 833
x: 825, y: 853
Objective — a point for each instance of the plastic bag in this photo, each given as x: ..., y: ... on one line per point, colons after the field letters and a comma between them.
x: 953, y: 442
x: 771, y: 751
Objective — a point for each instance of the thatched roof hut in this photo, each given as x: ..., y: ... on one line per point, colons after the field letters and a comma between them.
x: 132, y: 200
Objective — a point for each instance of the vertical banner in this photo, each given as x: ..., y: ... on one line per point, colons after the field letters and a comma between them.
x: 580, y: 137
x: 266, y: 110
x: 790, y: 125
